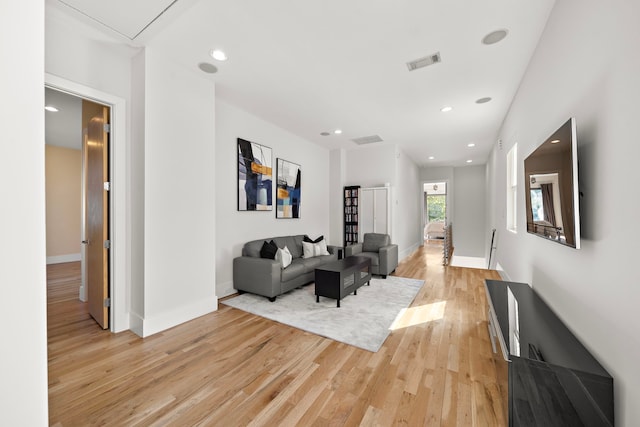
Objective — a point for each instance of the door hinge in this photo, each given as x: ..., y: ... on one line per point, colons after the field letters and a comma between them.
x: 107, y: 186
x: 107, y: 127
x: 107, y: 244
x: 107, y: 302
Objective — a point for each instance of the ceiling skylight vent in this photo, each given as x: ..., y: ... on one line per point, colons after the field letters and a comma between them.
x: 424, y: 62
x: 367, y: 140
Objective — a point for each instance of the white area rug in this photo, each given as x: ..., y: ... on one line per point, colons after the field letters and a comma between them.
x: 363, y: 320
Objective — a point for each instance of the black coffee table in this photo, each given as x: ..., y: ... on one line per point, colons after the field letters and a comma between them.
x: 340, y: 278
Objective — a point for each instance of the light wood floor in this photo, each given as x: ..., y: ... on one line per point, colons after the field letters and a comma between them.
x: 231, y: 368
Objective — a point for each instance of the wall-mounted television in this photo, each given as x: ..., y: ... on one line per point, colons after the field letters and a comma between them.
x: 551, y: 188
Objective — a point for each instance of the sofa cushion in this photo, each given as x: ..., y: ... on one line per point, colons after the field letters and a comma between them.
x: 296, y: 249
x: 269, y: 250
x: 284, y: 257
x: 308, y: 239
x: 310, y: 264
x: 314, y: 249
x: 294, y: 270
x: 375, y: 258
x: 372, y: 242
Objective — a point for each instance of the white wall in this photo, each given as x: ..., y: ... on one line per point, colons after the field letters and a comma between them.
x: 374, y: 166
x: 84, y: 61
x: 337, y: 160
x: 136, y: 190
x: 170, y: 187
x: 587, y: 66
x: 407, y: 206
x: 85, y: 56
x: 180, y: 195
x: 440, y: 174
x: 23, y: 323
x: 371, y: 166
x: 469, y: 195
x: 235, y: 228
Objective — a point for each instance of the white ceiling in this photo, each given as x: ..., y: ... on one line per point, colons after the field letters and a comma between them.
x: 125, y: 17
x: 311, y: 67
x: 64, y: 127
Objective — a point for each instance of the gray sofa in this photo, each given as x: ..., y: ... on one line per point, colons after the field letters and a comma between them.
x: 266, y: 277
x: 378, y: 247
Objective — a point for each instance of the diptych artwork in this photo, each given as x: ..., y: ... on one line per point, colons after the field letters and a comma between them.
x: 255, y: 177
x: 288, y: 190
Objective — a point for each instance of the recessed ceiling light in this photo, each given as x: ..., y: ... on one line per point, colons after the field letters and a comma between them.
x: 555, y: 141
x: 494, y: 37
x: 446, y: 109
x: 337, y: 131
x: 325, y: 133
x: 431, y: 157
x: 208, y: 68
x: 51, y: 108
x: 471, y: 144
x: 483, y: 100
x: 469, y: 161
x: 218, y: 55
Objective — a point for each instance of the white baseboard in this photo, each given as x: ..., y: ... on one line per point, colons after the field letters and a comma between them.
x: 60, y: 259
x: 225, y: 289
x: 468, y: 261
x: 407, y: 252
x: 136, y: 323
x: 150, y: 325
x: 502, y: 273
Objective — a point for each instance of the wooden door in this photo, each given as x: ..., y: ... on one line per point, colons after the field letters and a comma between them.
x: 96, y: 164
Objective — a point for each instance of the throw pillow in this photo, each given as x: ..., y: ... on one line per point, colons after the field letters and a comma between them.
x: 308, y: 239
x: 284, y: 256
x: 314, y: 249
x: 268, y: 250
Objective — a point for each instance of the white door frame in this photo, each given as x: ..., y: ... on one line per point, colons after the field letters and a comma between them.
x: 118, y: 210
x: 448, y: 201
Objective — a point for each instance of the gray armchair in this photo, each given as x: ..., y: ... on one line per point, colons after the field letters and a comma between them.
x: 378, y: 247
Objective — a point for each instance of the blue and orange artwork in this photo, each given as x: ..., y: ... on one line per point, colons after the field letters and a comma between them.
x: 288, y: 190
x: 255, y: 177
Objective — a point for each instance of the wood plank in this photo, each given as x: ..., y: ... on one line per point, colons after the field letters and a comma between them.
x: 234, y: 368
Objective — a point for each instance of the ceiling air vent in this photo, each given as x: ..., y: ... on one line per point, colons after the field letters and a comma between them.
x: 423, y: 62
x: 367, y: 140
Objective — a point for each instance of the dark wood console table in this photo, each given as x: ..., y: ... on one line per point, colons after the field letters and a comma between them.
x: 338, y: 279
x: 545, y: 374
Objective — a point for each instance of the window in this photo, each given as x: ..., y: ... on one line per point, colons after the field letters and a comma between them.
x: 435, y: 201
x: 512, y: 188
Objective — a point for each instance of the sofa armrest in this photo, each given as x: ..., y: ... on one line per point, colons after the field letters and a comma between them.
x: 388, y: 259
x: 352, y: 249
x: 338, y: 251
x: 257, y: 275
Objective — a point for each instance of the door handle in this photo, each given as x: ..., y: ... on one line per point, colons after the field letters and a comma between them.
x: 85, y: 242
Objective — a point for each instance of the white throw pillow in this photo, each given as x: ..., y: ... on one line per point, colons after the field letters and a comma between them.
x: 314, y: 249
x: 284, y: 256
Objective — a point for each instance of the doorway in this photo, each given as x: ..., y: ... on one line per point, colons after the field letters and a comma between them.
x: 434, y: 210
x: 119, y: 209
x: 77, y: 159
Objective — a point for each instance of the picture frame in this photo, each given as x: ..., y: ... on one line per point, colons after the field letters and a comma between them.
x: 288, y: 189
x: 255, y: 176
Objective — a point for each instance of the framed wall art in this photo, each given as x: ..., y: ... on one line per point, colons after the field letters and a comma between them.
x: 255, y: 177
x: 287, y: 189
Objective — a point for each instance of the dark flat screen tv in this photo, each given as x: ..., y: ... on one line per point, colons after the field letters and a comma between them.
x: 551, y: 188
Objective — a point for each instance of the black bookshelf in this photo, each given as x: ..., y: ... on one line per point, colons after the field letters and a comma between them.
x: 351, y: 195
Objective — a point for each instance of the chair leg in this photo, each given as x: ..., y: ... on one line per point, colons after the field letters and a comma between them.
x: 272, y: 299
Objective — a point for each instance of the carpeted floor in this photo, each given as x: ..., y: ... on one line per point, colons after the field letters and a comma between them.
x: 363, y: 320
